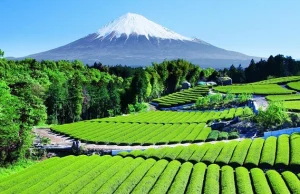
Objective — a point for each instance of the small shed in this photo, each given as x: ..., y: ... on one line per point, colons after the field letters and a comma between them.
x: 185, y: 85
x: 224, y: 81
x: 201, y: 83
x: 211, y: 83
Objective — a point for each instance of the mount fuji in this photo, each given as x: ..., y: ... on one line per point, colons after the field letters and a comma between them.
x: 134, y: 40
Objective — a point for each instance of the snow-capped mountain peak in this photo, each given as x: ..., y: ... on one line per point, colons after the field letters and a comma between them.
x: 131, y: 23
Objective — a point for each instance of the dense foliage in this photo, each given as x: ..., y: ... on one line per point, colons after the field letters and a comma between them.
x: 56, y: 92
x: 278, y: 66
x: 275, y: 115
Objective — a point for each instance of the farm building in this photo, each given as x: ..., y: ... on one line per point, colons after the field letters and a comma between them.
x: 185, y: 85
x: 224, y: 81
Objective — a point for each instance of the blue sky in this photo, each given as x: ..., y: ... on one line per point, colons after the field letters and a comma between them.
x: 256, y: 27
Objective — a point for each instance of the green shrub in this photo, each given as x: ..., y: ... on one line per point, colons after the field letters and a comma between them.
x: 114, y: 182
x: 202, y: 136
x: 274, y: 115
x: 243, y: 181
x: 247, y: 112
x: 260, y: 183
x: 227, y: 180
x: 202, y: 102
x: 213, y: 153
x: 212, y: 179
x: 213, y: 136
x: 240, y: 153
x: 239, y: 112
x: 283, y: 151
x: 133, y: 179
x: 187, y: 152
x: 84, y: 180
x: 123, y: 153
x: 276, y: 182
x: 173, y: 152
x: 254, y: 152
x: 135, y: 153
x: 244, y: 97
x: 197, y: 179
x: 295, y: 151
x: 151, y: 177
x: 166, y: 178
x: 200, y: 152
x: 229, y: 97
x: 181, y: 180
x: 292, y: 181
x: 268, y: 153
x: 233, y: 135
x: 226, y: 153
x: 223, y: 136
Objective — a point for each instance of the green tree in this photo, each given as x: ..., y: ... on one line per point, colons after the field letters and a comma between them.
x: 1, y: 53
x: 275, y: 115
x: 139, y: 86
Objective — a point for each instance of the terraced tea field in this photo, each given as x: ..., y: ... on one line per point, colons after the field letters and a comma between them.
x: 184, y: 97
x: 281, y: 152
x: 107, y: 174
x: 156, y: 127
x: 135, y: 134
x: 259, y: 89
x: 293, y: 106
x: 294, y: 85
x: 179, y: 117
x: 289, y: 97
x: 279, y: 80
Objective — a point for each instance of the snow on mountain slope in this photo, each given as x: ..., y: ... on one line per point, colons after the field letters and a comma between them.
x: 136, y: 41
x: 137, y: 24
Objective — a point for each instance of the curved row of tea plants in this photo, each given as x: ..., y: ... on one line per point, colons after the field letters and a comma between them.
x: 293, y: 106
x: 279, y: 80
x: 259, y: 89
x: 273, y: 152
x: 135, y: 133
x: 183, y: 97
x: 180, y: 117
x: 290, y: 97
x: 106, y: 174
x: 294, y: 85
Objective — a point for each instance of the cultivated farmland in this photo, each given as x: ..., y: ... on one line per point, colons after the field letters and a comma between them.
x: 149, y: 128
x: 273, y: 152
x: 135, y: 134
x: 294, y: 85
x: 179, y: 117
x: 279, y: 80
x: 292, y: 105
x: 107, y: 174
x: 259, y: 89
x: 289, y: 97
x: 183, y: 97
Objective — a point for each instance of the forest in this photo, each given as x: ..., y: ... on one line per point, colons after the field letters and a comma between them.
x: 57, y: 92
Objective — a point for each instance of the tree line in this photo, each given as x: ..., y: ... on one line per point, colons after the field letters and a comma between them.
x: 278, y: 66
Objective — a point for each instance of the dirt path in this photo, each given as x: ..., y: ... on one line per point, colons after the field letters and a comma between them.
x: 64, y: 140
x: 55, y: 138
